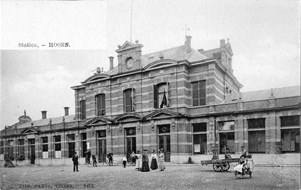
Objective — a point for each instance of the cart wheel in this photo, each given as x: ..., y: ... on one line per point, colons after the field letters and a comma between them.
x: 225, y: 166
x: 217, y: 167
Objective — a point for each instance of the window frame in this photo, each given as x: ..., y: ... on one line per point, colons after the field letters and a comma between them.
x: 129, y: 100
x: 100, y: 104
x: 82, y: 109
x: 199, y: 96
x: 199, y: 134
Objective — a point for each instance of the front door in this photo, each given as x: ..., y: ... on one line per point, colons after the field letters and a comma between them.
x: 164, y: 143
x: 130, y: 146
x: 102, y: 151
x: 31, y: 151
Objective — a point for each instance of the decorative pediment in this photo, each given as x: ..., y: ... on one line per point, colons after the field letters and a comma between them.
x: 128, y: 45
x: 99, y: 121
x: 161, y: 62
x: 163, y: 113
x: 96, y: 76
x: 128, y: 116
x: 30, y: 130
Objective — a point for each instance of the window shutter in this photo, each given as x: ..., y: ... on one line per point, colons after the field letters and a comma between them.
x: 155, y: 96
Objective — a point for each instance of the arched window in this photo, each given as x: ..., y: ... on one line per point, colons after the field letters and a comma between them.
x: 100, y: 100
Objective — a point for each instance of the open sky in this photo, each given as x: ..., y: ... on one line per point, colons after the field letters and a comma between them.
x: 265, y: 38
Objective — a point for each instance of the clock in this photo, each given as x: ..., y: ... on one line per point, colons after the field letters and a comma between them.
x: 129, y: 62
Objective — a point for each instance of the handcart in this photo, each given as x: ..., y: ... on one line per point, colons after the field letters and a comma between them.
x: 220, y: 165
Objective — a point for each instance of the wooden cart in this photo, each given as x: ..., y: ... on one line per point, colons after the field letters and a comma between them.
x: 220, y: 165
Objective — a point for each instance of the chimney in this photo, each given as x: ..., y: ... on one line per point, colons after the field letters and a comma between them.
x: 188, y: 44
x: 66, y: 111
x: 222, y: 43
x: 44, y: 114
x: 111, y: 62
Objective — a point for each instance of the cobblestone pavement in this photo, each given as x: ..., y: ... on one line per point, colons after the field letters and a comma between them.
x: 174, y: 177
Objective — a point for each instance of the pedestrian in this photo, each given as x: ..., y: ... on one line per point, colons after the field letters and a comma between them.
x: 94, y: 160
x: 75, y: 162
x: 110, y: 157
x: 145, y: 166
x: 138, y: 161
x: 124, y: 160
x: 154, y: 164
x: 133, y: 158
x: 161, y: 160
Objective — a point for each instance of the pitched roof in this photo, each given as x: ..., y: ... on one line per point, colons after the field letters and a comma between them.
x: 265, y: 94
x: 177, y: 53
x: 55, y: 120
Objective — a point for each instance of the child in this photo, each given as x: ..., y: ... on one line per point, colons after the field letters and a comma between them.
x: 124, y: 160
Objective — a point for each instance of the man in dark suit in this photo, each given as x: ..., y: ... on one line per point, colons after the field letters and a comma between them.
x: 75, y: 162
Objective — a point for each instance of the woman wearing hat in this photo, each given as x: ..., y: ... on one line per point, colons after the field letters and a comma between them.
x: 145, y: 167
x: 154, y: 164
x: 161, y: 160
x: 138, y: 161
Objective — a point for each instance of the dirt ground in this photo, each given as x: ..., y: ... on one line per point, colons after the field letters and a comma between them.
x: 186, y: 176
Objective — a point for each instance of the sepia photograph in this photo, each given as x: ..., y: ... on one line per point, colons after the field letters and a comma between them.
x: 162, y: 94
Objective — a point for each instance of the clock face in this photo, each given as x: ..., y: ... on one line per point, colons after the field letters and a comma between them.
x: 129, y: 63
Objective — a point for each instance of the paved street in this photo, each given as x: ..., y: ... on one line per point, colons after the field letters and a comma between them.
x: 175, y: 177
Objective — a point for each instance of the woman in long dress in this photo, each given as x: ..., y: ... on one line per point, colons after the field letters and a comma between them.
x: 161, y: 161
x: 145, y: 167
x: 138, y: 161
x: 154, y: 164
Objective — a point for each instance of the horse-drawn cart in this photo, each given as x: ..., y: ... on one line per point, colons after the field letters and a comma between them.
x: 220, y: 165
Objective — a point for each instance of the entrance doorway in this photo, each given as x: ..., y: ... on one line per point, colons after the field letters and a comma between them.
x: 31, y: 152
x: 102, y: 150
x: 130, y: 142
x: 130, y: 146
x: 164, y: 141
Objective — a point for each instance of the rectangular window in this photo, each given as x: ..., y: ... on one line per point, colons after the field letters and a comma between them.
x: 164, y: 129
x: 45, y: 144
x: 57, y: 143
x: 21, y: 150
x: 199, y: 127
x: 256, y: 135
x: 82, y: 109
x: 256, y: 123
x: 226, y: 125
x: 128, y: 100
x: 290, y: 140
x: 1, y: 146
x: 11, y: 149
x: 130, y: 131
x: 287, y: 121
x: 101, y: 134
x: 161, y: 95
x: 198, y: 93
x: 199, y: 138
x: 100, y: 104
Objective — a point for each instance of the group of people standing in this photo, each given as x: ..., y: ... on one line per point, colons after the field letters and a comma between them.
x: 142, y: 161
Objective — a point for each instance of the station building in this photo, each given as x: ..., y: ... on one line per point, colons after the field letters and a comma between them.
x: 184, y: 101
